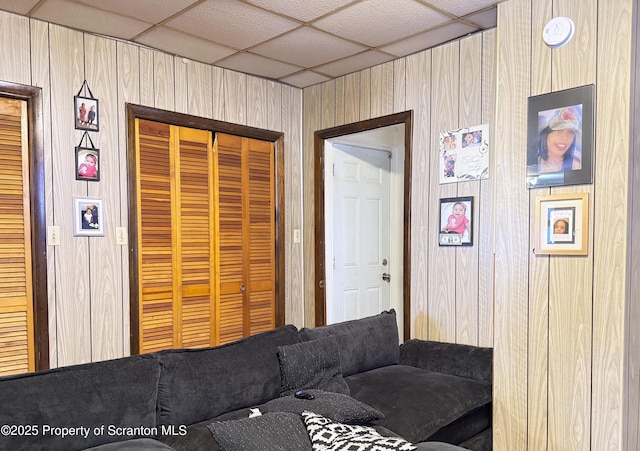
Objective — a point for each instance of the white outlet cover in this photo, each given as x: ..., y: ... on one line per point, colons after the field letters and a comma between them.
x: 558, y: 31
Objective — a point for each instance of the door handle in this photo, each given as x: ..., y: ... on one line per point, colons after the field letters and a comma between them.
x: 242, y: 287
x: 386, y: 277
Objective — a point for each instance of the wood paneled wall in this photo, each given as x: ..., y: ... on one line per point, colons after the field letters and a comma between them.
x: 566, y: 363
x: 559, y: 336
x: 566, y: 370
x: 448, y: 87
x: 88, y: 277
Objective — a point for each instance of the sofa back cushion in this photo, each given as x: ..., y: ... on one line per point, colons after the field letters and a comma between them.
x: 200, y: 384
x: 364, y: 344
x: 118, y: 394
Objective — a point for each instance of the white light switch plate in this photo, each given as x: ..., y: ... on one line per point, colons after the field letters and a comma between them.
x: 121, y: 236
x: 53, y: 236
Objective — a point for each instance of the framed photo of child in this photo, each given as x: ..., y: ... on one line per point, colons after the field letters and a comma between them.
x: 88, y: 164
x: 561, y: 224
x: 87, y: 115
x: 455, y: 227
x: 88, y: 217
x: 560, y: 137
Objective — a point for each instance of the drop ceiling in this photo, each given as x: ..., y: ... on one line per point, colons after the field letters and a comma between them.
x: 298, y: 42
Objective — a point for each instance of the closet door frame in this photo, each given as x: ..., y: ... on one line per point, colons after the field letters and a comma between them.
x: 33, y: 97
x: 185, y: 120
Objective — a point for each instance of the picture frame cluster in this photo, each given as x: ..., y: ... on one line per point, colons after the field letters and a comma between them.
x: 88, y: 219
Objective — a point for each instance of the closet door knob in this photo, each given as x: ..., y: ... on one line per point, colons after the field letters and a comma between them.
x: 242, y: 287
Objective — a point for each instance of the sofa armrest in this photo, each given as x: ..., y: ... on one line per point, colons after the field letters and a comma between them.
x: 450, y: 358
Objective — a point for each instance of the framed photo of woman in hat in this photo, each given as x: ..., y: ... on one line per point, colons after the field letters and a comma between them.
x: 560, y: 138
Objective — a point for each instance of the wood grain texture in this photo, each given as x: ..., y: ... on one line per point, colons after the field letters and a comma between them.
x: 486, y: 207
x: 538, y: 382
x: 631, y: 407
x: 328, y: 104
x: 128, y: 92
x: 570, y: 304
x: 441, y: 259
x: 294, y: 260
x: 382, y: 89
x: 217, y: 91
x: 235, y: 97
x: 14, y: 41
x: 105, y: 256
x: 72, y: 277
x: 146, y: 82
x: 163, y: 81
x: 199, y: 89
x: 467, y: 258
x: 312, y: 120
x: 399, y: 85
x: 610, y: 220
x: 511, y: 256
x: 351, y: 97
x: 418, y: 71
x: 365, y: 94
x: 256, y: 102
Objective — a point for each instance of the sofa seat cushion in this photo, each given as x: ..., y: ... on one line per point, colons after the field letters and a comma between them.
x: 364, y: 344
x: 416, y: 402
x: 200, y: 384
x: 118, y: 393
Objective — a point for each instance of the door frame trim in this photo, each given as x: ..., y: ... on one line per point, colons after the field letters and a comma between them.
x: 320, y: 136
x: 185, y: 120
x: 33, y: 97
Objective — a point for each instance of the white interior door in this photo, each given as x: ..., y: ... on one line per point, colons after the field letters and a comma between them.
x: 361, y: 235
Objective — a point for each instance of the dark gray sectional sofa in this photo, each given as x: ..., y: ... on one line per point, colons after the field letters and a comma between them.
x: 434, y: 395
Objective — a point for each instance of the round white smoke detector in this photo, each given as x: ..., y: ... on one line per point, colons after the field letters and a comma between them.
x: 558, y: 31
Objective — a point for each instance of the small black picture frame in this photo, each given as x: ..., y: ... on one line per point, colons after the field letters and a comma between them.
x: 455, y: 227
x: 88, y: 164
x: 560, y: 138
x: 87, y: 114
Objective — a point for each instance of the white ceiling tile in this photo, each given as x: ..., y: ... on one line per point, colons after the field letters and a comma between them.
x: 173, y: 41
x: 257, y: 65
x: 18, y: 6
x: 486, y: 19
x: 304, y: 79
x: 462, y: 8
x: 152, y: 11
x: 307, y: 47
x: 83, y: 17
x: 382, y: 24
x: 354, y: 63
x: 235, y: 23
x: 429, y: 39
x: 305, y: 11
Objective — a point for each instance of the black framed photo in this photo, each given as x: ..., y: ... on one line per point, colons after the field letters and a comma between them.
x: 87, y: 115
x: 455, y: 227
x: 560, y: 138
x: 88, y: 164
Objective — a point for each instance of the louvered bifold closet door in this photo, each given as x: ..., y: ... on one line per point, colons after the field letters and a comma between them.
x: 246, y: 237
x: 156, y: 274
x: 176, y: 231
x: 261, y: 269
x: 196, y: 230
x: 16, y: 298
